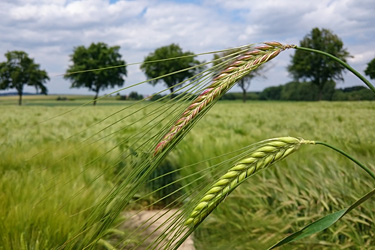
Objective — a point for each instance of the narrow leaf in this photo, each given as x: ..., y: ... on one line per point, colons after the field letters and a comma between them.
x: 322, y: 223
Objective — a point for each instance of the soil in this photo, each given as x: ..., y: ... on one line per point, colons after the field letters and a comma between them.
x: 154, y: 229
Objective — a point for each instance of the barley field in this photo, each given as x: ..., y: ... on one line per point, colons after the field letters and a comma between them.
x: 58, y: 160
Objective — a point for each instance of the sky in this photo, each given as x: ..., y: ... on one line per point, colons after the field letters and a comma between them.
x: 48, y: 30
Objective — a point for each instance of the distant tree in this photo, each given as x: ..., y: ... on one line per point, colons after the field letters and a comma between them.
x: 156, y: 97
x: 299, y: 91
x: 135, y: 96
x: 96, y: 56
x: 20, y: 70
x: 243, y: 83
x: 370, y: 70
x: 271, y: 93
x: 356, y: 93
x: 156, y: 69
x: 316, y: 68
x: 228, y: 97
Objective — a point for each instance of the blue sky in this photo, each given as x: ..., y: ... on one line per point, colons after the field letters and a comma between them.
x: 48, y: 30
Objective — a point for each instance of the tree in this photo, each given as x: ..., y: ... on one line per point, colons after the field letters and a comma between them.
x: 319, y: 69
x: 243, y: 83
x: 135, y: 96
x: 20, y: 70
x: 100, y: 59
x: 156, y: 69
x: 370, y: 70
x: 272, y: 93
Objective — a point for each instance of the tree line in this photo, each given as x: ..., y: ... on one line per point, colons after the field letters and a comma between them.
x: 305, y: 91
x: 314, y: 76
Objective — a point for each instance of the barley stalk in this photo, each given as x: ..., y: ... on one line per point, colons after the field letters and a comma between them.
x: 242, y: 66
x: 266, y: 154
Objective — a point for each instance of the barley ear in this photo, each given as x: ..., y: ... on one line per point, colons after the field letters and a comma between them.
x: 267, y: 153
x: 225, y: 80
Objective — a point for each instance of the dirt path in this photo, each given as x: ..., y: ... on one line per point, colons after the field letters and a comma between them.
x: 153, y: 221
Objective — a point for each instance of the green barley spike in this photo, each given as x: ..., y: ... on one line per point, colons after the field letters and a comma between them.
x: 269, y: 152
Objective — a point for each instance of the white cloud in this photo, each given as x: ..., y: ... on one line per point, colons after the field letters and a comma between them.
x: 49, y: 29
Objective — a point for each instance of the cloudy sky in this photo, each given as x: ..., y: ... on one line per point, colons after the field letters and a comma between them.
x: 48, y: 30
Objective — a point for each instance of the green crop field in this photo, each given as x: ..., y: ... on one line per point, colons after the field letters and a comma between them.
x: 58, y: 159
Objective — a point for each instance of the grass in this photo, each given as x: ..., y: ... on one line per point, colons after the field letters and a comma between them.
x: 49, y: 182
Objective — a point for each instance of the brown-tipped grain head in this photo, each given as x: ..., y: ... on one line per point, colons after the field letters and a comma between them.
x: 242, y: 66
x: 267, y: 153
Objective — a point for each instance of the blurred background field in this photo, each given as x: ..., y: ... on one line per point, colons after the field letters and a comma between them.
x: 53, y: 171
